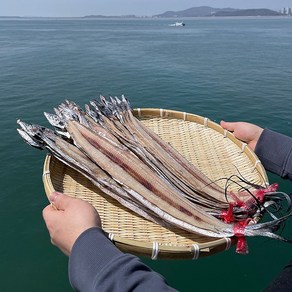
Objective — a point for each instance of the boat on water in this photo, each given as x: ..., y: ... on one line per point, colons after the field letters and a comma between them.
x: 178, y: 24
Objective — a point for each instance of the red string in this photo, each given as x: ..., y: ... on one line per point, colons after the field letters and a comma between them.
x: 238, y: 228
x: 227, y: 216
x: 260, y: 194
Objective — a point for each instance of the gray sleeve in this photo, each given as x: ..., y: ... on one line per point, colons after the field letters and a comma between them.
x: 96, y: 264
x: 275, y: 152
x: 283, y: 282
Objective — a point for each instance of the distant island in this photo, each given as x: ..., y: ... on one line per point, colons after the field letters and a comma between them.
x: 206, y: 11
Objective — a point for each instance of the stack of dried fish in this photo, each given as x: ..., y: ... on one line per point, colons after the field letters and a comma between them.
x: 129, y: 162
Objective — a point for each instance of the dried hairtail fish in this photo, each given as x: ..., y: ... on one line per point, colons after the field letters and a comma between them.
x: 114, y: 150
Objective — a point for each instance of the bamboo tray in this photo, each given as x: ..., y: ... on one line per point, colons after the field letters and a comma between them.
x: 215, y: 151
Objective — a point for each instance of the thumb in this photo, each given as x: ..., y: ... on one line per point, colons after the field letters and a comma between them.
x: 228, y: 125
x: 59, y: 200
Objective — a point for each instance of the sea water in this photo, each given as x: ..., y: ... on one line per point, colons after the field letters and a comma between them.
x: 220, y: 68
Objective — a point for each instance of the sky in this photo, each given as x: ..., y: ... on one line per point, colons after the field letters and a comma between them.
x: 75, y: 8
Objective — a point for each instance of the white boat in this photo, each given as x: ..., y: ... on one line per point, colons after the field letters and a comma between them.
x: 177, y: 24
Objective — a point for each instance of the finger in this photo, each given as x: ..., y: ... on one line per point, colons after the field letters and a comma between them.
x: 47, y: 211
x: 59, y: 200
x: 228, y: 126
x: 53, y: 196
x: 49, y: 215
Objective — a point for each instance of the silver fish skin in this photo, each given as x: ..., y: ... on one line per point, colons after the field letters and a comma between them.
x: 55, y: 120
x: 29, y: 140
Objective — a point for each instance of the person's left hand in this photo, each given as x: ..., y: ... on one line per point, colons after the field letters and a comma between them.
x: 66, y: 218
x: 246, y: 132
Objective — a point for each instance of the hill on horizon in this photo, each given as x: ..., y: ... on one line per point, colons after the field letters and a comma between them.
x: 204, y: 11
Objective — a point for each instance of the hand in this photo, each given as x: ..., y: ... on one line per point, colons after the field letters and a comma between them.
x: 246, y: 132
x: 66, y: 218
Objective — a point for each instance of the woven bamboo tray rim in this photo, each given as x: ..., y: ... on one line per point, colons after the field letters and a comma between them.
x: 215, y: 151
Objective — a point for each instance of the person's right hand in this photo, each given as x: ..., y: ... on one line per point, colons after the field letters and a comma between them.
x: 67, y: 218
x: 246, y: 132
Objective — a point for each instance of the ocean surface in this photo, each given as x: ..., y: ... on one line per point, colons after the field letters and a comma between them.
x: 227, y: 68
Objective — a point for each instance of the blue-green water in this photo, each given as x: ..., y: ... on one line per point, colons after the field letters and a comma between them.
x: 232, y: 69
